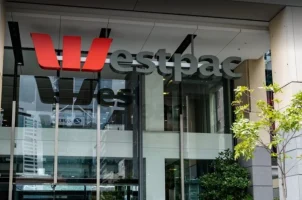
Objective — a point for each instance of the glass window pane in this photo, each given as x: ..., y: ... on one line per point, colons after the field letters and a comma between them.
x: 204, y: 108
x: 172, y: 179
x: 77, y: 130
x: 35, y: 133
x: 118, y: 156
x: 193, y: 170
x: 5, y: 122
x: 45, y: 191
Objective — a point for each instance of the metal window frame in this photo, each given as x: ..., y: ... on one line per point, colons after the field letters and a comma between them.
x: 98, y: 141
x: 13, y: 133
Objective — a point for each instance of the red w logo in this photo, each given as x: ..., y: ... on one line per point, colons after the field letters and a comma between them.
x: 47, y: 57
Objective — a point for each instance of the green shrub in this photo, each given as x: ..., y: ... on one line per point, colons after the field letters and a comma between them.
x: 228, y: 181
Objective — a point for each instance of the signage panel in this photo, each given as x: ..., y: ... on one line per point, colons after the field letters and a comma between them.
x: 122, y: 61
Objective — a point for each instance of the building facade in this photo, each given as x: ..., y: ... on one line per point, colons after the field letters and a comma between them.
x: 132, y: 99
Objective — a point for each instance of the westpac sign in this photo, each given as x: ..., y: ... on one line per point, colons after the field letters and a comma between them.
x: 121, y: 61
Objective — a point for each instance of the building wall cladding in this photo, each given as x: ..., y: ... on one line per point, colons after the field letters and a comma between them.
x: 286, y: 45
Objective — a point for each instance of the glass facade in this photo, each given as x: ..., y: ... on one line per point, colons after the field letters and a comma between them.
x: 157, y: 135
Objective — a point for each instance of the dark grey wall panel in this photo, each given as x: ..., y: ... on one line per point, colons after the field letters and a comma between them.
x: 279, y: 2
x: 112, y: 4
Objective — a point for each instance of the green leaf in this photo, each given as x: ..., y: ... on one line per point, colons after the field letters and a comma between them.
x: 228, y: 180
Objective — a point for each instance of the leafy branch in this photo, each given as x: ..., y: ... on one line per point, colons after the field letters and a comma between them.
x: 283, y: 126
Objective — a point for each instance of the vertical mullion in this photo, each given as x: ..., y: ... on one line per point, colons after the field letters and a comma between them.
x: 192, y: 44
x: 57, y: 102
x: 227, y: 98
x: 181, y: 146
x: 98, y: 138
x: 187, y: 114
x: 12, y: 152
x: 181, y: 139
x: 12, y: 139
x: 55, y: 178
x: 140, y: 138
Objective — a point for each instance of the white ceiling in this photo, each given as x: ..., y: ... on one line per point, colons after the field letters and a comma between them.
x: 137, y: 35
x: 129, y: 36
x: 232, y: 9
x: 167, y: 36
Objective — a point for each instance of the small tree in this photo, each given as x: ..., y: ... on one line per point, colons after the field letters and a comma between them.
x: 287, y: 124
x: 228, y: 181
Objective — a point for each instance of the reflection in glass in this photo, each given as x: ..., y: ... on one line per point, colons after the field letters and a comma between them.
x: 77, y: 130
x: 172, y: 106
x: 75, y: 192
x: 35, y: 132
x: 116, y: 105
x: 193, y: 170
x: 117, y: 170
x: 118, y: 161
x: 202, y: 105
x: 5, y: 131
x: 172, y: 179
x: 6, y: 101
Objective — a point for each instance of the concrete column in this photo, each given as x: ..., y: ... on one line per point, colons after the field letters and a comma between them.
x: 154, y: 102
x: 286, y: 48
x: 155, y: 177
x: 253, y: 72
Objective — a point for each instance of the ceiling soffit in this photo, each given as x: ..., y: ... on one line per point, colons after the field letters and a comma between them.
x: 201, y: 8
